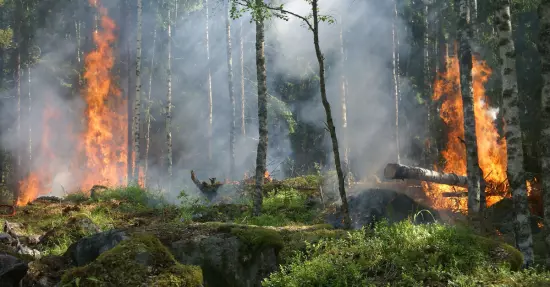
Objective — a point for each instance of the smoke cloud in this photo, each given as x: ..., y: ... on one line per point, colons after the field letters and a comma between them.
x: 367, y: 36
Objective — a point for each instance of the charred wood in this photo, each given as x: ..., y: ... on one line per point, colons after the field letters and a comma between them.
x: 399, y: 171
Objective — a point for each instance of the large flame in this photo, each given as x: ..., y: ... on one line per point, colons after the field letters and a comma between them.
x: 101, y: 149
x: 104, y: 140
x: 491, y: 147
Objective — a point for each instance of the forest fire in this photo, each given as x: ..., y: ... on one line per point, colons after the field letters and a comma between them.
x: 491, y: 147
x: 103, y: 142
x: 100, y: 149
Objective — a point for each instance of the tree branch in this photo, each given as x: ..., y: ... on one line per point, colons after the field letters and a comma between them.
x: 280, y: 9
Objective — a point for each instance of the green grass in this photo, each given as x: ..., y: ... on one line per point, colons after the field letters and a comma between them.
x: 404, y: 254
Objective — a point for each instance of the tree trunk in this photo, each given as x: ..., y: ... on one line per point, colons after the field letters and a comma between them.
x: 232, y: 128
x: 330, y: 123
x: 261, y: 71
x: 243, y: 126
x: 465, y: 66
x: 544, y: 147
x: 514, y: 143
x: 169, y: 105
x: 137, y: 100
x: 395, y: 62
x: 148, y: 111
x: 130, y: 154
x: 474, y: 20
x: 29, y: 99
x: 343, y: 103
x: 399, y: 171
x: 427, y: 151
x: 209, y: 84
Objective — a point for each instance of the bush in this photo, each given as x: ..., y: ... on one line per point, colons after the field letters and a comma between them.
x: 406, y: 255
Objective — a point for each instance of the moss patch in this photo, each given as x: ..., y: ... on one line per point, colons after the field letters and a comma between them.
x: 256, y: 238
x: 131, y: 263
x: 404, y: 254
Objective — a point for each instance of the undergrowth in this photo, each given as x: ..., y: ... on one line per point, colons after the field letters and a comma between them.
x: 279, y: 208
x: 404, y: 254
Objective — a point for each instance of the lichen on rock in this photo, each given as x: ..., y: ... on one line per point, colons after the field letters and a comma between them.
x: 139, y: 261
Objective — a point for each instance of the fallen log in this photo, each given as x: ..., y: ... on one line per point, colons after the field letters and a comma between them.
x: 399, y: 171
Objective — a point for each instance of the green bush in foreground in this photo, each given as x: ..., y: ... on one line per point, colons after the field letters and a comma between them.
x: 407, y: 255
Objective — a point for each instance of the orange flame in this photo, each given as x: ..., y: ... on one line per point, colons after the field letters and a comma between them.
x: 103, y: 142
x: 102, y: 146
x: 36, y: 182
x: 491, y: 147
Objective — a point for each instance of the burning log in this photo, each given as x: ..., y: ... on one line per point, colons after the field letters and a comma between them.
x: 209, y: 189
x: 399, y: 171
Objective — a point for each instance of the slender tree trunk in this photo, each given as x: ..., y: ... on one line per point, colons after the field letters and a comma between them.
x: 148, y: 111
x: 169, y: 105
x: 465, y: 59
x: 78, y: 40
x: 544, y: 147
x: 261, y: 155
x: 209, y: 83
x: 330, y: 123
x: 343, y: 105
x: 474, y: 20
x: 232, y: 128
x: 395, y: 50
x: 137, y: 99
x: 29, y: 99
x: 428, y: 156
x: 514, y: 143
x: 130, y: 154
x: 243, y: 126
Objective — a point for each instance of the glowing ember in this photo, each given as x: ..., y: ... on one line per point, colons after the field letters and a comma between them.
x: 101, y: 155
x: 491, y: 147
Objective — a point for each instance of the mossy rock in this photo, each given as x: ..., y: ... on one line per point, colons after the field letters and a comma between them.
x: 134, y: 262
x: 501, y: 252
x: 235, y: 254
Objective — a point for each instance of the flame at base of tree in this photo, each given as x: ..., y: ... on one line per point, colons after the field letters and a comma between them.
x: 491, y: 146
x: 101, y: 149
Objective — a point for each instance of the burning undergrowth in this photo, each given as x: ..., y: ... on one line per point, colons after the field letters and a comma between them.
x: 98, y: 142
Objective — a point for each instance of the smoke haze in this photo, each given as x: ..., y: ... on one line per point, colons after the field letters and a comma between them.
x: 290, y: 52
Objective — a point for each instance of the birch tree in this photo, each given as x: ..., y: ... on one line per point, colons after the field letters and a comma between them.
x: 148, y: 110
x: 137, y: 100
x: 465, y: 66
x: 514, y: 143
x: 209, y: 82
x: 395, y: 63
x: 232, y: 126
x: 241, y: 44
x: 168, y: 108
x: 544, y: 49
x: 259, y: 15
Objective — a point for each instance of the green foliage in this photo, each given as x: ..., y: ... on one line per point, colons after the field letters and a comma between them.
x: 6, y: 36
x: 280, y: 108
x: 140, y: 260
x: 77, y: 197
x: 281, y: 208
x: 406, y: 255
x: 133, y: 197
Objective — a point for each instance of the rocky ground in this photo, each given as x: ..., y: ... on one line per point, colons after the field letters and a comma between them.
x: 131, y: 237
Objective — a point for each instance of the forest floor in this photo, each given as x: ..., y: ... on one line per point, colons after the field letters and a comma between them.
x: 133, y: 237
